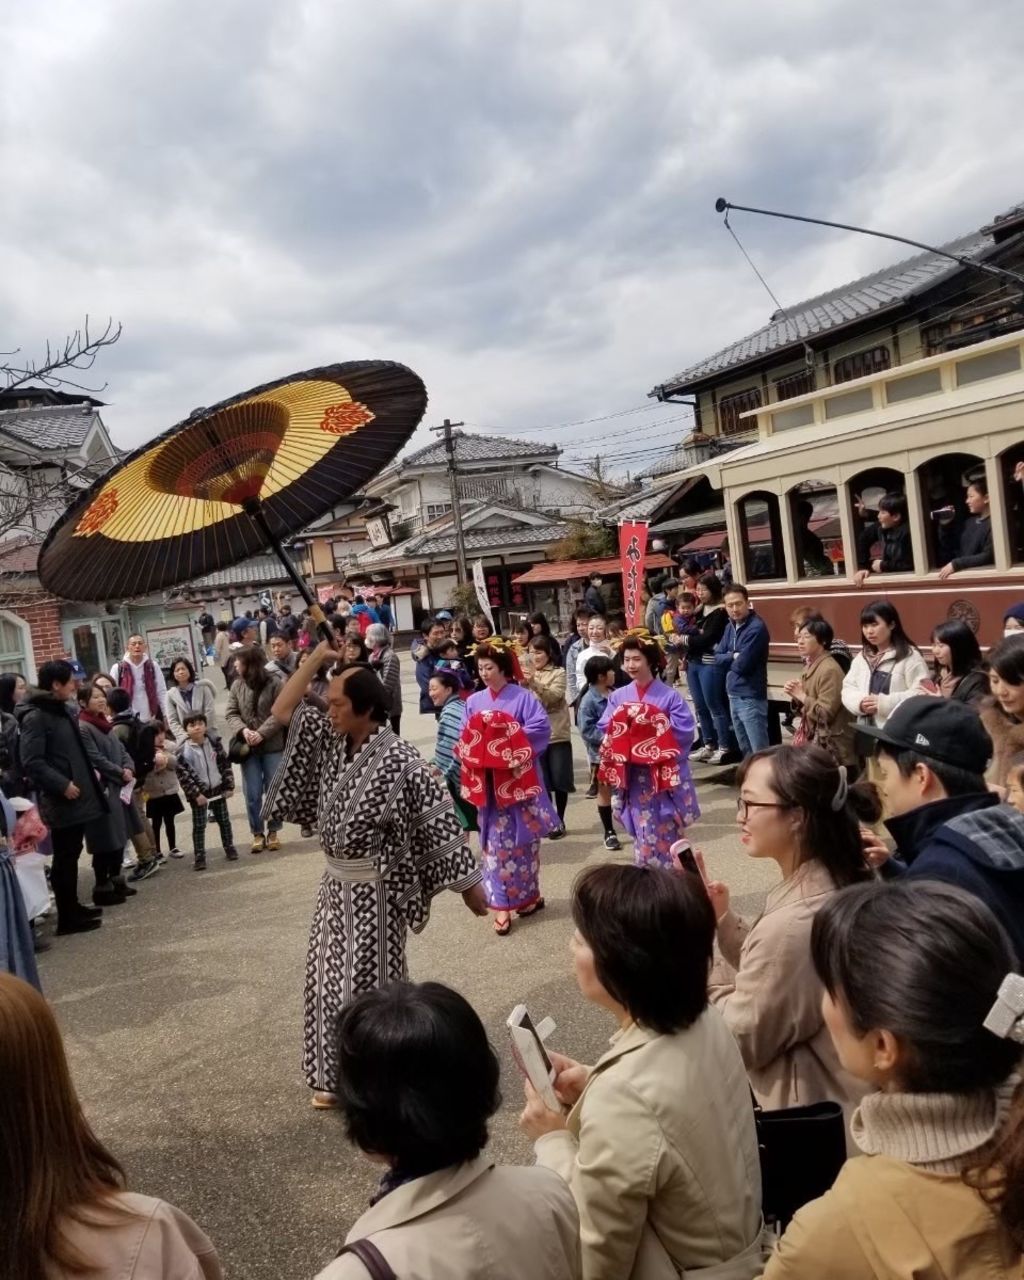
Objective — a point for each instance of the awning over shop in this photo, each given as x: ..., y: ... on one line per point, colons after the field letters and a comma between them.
x: 564, y: 570
x: 758, y: 534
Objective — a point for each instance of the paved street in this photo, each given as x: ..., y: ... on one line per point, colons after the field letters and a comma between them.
x: 182, y: 1018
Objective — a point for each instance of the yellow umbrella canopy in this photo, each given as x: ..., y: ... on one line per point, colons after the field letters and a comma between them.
x: 232, y: 481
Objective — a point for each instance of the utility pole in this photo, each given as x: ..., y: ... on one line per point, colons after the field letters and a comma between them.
x: 446, y: 429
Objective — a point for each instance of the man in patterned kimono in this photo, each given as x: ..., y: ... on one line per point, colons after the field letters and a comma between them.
x: 391, y: 839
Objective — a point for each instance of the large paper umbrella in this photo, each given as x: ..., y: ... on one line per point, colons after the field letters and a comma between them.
x: 232, y: 481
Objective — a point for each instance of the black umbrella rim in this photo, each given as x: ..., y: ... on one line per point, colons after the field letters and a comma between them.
x: 335, y: 371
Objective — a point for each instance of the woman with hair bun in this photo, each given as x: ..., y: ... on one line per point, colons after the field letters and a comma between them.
x: 505, y: 733
x: 648, y: 732
x: 796, y: 808
x: 920, y: 1008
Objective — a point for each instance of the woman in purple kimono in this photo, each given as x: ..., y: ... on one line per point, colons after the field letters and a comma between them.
x: 505, y: 731
x: 644, y: 755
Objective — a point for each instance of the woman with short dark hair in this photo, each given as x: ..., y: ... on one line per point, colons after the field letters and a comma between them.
x: 918, y: 1009
x: 418, y: 1085
x: 185, y: 694
x: 796, y: 808
x: 659, y: 1147
x: 390, y: 838
x: 705, y: 678
x: 818, y: 693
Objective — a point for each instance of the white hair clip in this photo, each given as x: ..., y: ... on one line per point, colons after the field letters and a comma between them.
x: 1004, y: 1018
x: 842, y: 790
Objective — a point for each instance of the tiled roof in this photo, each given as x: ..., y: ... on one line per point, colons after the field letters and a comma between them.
x: 424, y: 546
x: 56, y: 426
x: 19, y: 555
x: 639, y: 505
x: 256, y: 571
x: 470, y: 447
x: 847, y: 304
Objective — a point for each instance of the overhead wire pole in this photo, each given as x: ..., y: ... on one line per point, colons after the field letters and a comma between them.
x: 723, y: 206
x: 446, y: 429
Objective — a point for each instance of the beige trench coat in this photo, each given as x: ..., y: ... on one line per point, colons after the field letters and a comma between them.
x: 153, y: 1241
x: 472, y: 1222
x: 661, y: 1155
x: 765, y: 986
x: 884, y: 1218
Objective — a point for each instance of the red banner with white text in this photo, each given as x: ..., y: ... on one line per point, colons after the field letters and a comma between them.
x: 633, y: 556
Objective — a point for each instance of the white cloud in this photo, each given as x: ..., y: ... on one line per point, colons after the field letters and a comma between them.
x: 514, y: 198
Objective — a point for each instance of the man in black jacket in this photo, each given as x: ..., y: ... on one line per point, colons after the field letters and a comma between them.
x: 947, y: 825
x: 56, y: 759
x: 593, y: 597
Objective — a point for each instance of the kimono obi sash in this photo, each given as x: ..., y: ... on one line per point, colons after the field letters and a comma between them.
x: 353, y: 870
x: 639, y: 733
x: 493, y: 743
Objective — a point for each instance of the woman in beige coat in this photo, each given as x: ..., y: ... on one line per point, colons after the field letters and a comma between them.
x: 443, y: 1209
x: 818, y: 693
x: 63, y: 1205
x: 659, y: 1147
x: 546, y: 679
x: 917, y: 1010
x: 795, y: 807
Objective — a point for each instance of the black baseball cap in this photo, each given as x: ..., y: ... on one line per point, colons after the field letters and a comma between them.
x: 939, y: 729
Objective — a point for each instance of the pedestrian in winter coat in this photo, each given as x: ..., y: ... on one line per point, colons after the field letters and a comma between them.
x: 251, y: 725
x: 593, y: 597
x: 888, y: 669
x: 659, y: 1146
x: 818, y: 693
x: 917, y: 1009
x: 107, y: 835
x: 385, y: 662
x: 1003, y: 714
x: 944, y: 828
x: 743, y: 652
x: 796, y: 808
x: 56, y: 759
x: 185, y: 694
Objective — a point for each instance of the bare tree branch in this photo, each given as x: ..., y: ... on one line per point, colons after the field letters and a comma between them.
x: 78, y: 351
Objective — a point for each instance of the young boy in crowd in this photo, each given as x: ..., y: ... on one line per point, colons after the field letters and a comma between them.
x: 1015, y: 783
x: 599, y: 673
x: 125, y: 724
x: 678, y: 621
x: 449, y: 660
x: 207, y: 780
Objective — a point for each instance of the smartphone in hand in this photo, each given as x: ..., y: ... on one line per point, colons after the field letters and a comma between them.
x: 531, y: 1056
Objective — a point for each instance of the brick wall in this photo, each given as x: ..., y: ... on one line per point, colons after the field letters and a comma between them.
x: 43, y: 619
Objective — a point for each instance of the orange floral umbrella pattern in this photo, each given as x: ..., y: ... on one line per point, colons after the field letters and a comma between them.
x: 232, y: 480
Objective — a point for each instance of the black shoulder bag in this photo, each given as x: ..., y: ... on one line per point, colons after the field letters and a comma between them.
x: 802, y: 1151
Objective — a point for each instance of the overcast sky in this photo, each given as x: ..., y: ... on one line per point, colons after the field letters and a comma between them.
x: 516, y: 199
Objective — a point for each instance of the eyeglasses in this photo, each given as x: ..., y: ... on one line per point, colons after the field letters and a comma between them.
x: 744, y: 806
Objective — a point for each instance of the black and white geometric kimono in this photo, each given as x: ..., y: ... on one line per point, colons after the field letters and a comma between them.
x: 392, y: 841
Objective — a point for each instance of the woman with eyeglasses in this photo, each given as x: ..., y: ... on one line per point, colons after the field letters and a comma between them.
x: 795, y: 807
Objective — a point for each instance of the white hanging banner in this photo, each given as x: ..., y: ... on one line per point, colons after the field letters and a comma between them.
x: 481, y: 590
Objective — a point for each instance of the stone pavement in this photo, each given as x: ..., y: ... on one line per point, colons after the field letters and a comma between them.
x: 182, y: 1019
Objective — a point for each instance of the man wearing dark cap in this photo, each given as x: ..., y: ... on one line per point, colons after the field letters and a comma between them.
x: 947, y: 825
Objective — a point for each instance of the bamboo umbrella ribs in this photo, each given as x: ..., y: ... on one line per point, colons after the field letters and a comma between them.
x: 233, y: 480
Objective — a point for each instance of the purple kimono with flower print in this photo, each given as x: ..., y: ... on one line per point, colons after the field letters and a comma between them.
x: 510, y: 838
x: 656, y: 819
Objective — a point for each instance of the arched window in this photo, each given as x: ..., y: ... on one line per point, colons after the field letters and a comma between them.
x: 761, y: 537
x: 866, y: 489
x: 943, y: 486
x: 1013, y: 499
x: 817, y: 538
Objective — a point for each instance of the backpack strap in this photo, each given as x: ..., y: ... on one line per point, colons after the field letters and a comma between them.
x: 371, y: 1258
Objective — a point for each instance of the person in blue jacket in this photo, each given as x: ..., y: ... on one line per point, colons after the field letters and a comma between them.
x: 743, y: 651
x: 947, y: 825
